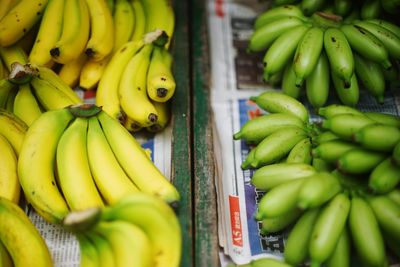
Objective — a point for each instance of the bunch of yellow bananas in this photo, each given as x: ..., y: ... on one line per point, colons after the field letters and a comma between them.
x: 138, y: 230
x: 311, y: 51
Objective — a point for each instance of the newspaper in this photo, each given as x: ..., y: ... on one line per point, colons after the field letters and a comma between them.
x: 63, y: 245
x: 235, y: 76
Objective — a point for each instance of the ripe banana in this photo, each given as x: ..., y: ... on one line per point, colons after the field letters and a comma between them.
x: 366, y: 44
x: 26, y: 106
x: 19, y: 20
x: 378, y: 137
x: 75, y: 32
x: 330, y: 151
x: 346, y: 125
x: 359, y: 161
x: 36, y: 164
x: 301, y: 152
x: 139, y: 168
x: 280, y: 199
x: 9, y: 183
x: 289, y: 86
x: 255, y: 130
x: 296, y: 247
x: 370, y: 247
x: 327, y: 229
x: 107, y: 90
x: 277, y: 145
x: 340, y: 55
x: 5, y: 257
x: 318, y: 82
x: 160, y: 79
x: 12, y: 54
x: 125, y: 22
x: 101, y: 38
x: 336, y: 109
x: 140, y: 20
x: 384, y: 177
x: 110, y: 178
x: 49, y: 32
x: 132, y: 89
x: 276, y: 13
x: 74, y: 175
x: 307, y: 53
x: 13, y: 129
x: 6, y: 6
x: 279, y: 223
x: 70, y: 72
x: 276, y: 102
x: 21, y: 238
x: 370, y: 9
x: 341, y: 255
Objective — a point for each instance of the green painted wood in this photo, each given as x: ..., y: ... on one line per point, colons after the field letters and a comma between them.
x: 181, y: 136
x: 205, y: 205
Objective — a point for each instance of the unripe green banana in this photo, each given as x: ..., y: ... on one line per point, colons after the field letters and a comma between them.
x: 246, y: 164
x: 396, y: 154
x: 366, y: 236
x: 282, y: 50
x: 307, y: 53
x: 276, y: 102
x: 384, y: 118
x: 341, y: 255
x: 301, y: 152
x: 310, y: 6
x: 317, y: 189
x: 276, y: 13
x: 279, y: 223
x: 348, y: 96
x: 277, y: 145
x: 296, y: 247
x: 275, y: 80
x: 279, y: 200
x: 270, y: 176
x: 387, y: 25
x: 270, y: 262
x: 289, y: 86
x: 331, y: 151
x: 371, y: 75
x: 384, y: 177
x: 336, y: 109
x: 264, y: 36
x: 378, y: 137
x: 366, y: 44
x: 328, y: 228
x: 340, y: 55
x: 342, y: 7
x: 370, y: 9
x: 321, y: 165
x: 388, y: 38
x: 346, y: 125
x: 255, y: 130
x: 324, y: 137
x: 359, y: 161
x: 394, y: 195
x: 387, y: 213
x: 317, y: 83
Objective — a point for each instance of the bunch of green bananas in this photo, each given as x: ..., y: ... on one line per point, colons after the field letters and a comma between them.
x: 262, y: 262
x: 314, y: 178
x: 138, y: 230
x: 315, y: 51
x: 79, y: 157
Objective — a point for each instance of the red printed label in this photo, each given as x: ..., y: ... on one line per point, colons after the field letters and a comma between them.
x: 236, y: 225
x: 219, y: 8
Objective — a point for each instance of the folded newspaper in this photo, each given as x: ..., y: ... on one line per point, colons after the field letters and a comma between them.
x: 235, y: 76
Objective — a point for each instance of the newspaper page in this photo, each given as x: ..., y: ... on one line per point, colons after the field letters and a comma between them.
x: 235, y: 76
x: 62, y: 244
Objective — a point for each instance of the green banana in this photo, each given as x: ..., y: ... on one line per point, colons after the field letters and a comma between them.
x: 280, y: 199
x: 272, y: 175
x: 366, y: 236
x: 276, y: 102
x: 328, y: 228
x: 296, y: 247
x: 273, y: 14
x: 310, y: 6
x: 336, y: 109
x: 394, y: 195
x: 366, y: 44
x: 340, y: 55
x: 378, y: 137
x: 384, y: 177
x: 384, y: 118
x: 346, y: 125
x: 264, y: 36
x: 270, y: 262
x: 371, y: 75
x: 342, y: 7
x: 324, y: 137
x: 321, y: 165
x: 387, y: 25
x: 301, y: 152
x: 370, y: 9
x: 318, y: 189
x: 246, y: 164
x: 255, y: 130
x: 348, y: 96
x: 289, y: 86
x: 341, y: 255
x: 331, y: 151
x: 282, y: 50
x: 317, y: 83
x: 307, y: 53
x: 359, y: 161
x: 277, y: 145
x: 279, y: 223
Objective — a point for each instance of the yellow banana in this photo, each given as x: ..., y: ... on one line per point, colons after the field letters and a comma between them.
x: 13, y: 129
x: 12, y: 54
x: 71, y: 71
x: 36, y: 164
x: 17, y: 22
x: 91, y: 73
x: 9, y: 183
x: 140, y: 20
x: 26, y: 106
x: 6, y: 6
x: 21, y: 238
x: 5, y: 257
x: 101, y: 40
x: 73, y: 169
x: 75, y: 32
x: 49, y: 33
x: 131, y: 125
